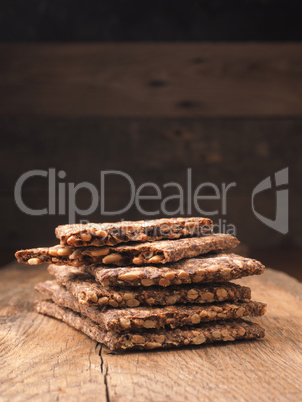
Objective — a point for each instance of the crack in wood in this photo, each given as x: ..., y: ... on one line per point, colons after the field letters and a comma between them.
x: 104, y: 371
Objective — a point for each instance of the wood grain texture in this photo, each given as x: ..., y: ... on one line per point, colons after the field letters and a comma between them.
x: 40, y: 359
x: 224, y: 150
x: 151, y: 79
x: 36, y: 364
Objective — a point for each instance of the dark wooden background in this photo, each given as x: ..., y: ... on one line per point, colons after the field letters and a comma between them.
x: 231, y: 112
x: 156, y: 20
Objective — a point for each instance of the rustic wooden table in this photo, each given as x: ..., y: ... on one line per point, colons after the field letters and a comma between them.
x: 44, y: 359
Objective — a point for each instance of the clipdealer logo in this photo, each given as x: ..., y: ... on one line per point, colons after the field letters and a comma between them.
x: 62, y: 194
x: 280, y: 223
x: 62, y: 198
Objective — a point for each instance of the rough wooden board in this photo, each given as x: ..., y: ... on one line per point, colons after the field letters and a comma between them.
x: 40, y: 358
x: 70, y: 366
x: 192, y: 79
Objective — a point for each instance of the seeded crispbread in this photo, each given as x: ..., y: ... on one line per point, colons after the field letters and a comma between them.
x: 101, y: 234
x: 203, y: 333
x: 204, y: 269
x: 158, y: 252
x: 89, y: 292
x: 133, y: 319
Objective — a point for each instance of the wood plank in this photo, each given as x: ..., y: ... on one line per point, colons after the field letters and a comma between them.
x: 35, y: 364
x: 193, y: 79
x: 218, y: 150
x: 238, y: 150
x: 39, y: 358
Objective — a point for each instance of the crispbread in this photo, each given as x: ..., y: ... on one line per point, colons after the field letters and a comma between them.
x: 203, y: 333
x: 133, y: 319
x: 157, y: 252
x: 101, y: 234
x: 203, y: 269
x: 89, y: 292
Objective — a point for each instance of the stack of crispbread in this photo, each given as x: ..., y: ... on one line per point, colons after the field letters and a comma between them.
x: 148, y: 284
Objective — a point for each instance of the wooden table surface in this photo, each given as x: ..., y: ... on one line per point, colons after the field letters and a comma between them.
x: 44, y: 359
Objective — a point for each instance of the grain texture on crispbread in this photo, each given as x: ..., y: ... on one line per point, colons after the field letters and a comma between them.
x: 133, y: 319
x: 185, y: 336
x: 89, y: 292
x: 110, y: 234
x: 204, y: 269
x: 158, y: 252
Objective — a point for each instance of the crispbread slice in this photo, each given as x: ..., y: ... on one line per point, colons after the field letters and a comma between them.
x: 204, y: 269
x: 88, y: 292
x: 185, y: 336
x: 133, y: 319
x: 158, y: 252
x: 110, y: 234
